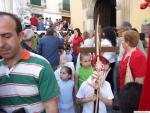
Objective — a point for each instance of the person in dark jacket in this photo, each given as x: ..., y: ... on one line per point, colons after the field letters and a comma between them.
x: 49, y: 47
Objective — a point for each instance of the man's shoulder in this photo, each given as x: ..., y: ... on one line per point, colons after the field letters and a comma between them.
x: 47, y: 38
x: 35, y: 58
x: 138, y: 54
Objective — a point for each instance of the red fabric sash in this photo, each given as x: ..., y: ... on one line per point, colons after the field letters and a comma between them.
x: 145, y: 96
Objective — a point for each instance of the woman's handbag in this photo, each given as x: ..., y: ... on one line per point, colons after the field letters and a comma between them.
x: 128, y: 76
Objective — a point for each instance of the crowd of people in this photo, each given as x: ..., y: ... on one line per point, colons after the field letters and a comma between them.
x: 46, y: 73
x: 40, y: 23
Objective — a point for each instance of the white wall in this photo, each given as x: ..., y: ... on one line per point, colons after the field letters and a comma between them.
x: 53, y: 5
x: 52, y: 9
x: 20, y: 8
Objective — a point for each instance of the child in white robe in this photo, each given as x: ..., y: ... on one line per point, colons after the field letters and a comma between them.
x: 66, y: 101
x: 86, y: 94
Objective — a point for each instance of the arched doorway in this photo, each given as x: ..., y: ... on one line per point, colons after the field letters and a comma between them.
x: 107, y: 12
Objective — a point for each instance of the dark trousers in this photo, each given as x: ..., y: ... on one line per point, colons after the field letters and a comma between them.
x: 110, y: 76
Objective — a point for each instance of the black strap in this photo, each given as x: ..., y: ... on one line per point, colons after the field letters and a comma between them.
x: 95, y: 92
x: 21, y: 110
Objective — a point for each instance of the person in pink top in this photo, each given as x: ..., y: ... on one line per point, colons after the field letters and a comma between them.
x: 77, y: 42
x: 34, y: 21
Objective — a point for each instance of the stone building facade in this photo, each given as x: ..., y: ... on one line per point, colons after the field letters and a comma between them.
x: 126, y: 10
x: 46, y: 8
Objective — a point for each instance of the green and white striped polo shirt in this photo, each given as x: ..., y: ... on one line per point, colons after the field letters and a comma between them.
x: 27, y: 84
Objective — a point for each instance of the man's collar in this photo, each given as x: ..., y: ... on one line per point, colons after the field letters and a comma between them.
x: 25, y: 55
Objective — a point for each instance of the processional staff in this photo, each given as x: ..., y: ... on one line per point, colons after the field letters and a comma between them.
x: 102, y: 73
x: 98, y: 44
x: 97, y: 91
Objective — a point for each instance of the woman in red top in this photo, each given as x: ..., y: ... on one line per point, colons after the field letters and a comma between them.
x: 77, y: 42
x: 137, y: 60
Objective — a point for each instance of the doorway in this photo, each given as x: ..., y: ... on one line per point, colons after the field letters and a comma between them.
x: 106, y: 11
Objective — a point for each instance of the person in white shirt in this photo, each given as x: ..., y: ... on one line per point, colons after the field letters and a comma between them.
x: 89, y: 39
x: 109, y: 40
x: 86, y: 96
x: 66, y: 101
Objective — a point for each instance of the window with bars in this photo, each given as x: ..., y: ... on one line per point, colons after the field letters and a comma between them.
x: 66, y: 5
x: 35, y: 2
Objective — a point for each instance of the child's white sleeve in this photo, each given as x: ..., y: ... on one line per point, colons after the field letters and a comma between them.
x: 108, y: 91
x: 57, y: 74
x: 81, y: 91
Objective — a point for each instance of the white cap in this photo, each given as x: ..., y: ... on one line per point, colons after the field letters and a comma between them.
x: 28, y: 34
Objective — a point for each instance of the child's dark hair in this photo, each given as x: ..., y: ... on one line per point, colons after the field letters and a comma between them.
x: 110, y: 34
x: 79, y: 32
x: 68, y: 70
x: 142, y: 36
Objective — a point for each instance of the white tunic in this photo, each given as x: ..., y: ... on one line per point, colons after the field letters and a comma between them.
x: 110, y: 56
x: 66, y: 104
x: 87, y: 90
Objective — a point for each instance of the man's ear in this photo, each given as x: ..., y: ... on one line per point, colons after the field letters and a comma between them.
x: 21, y: 35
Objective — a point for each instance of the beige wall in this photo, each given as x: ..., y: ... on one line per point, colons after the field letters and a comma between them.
x: 52, y: 6
x: 137, y: 16
x: 76, y: 14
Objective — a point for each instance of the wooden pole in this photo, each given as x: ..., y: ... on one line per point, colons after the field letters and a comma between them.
x: 98, y: 49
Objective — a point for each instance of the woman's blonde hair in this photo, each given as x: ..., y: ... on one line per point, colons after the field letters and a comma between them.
x: 132, y: 37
